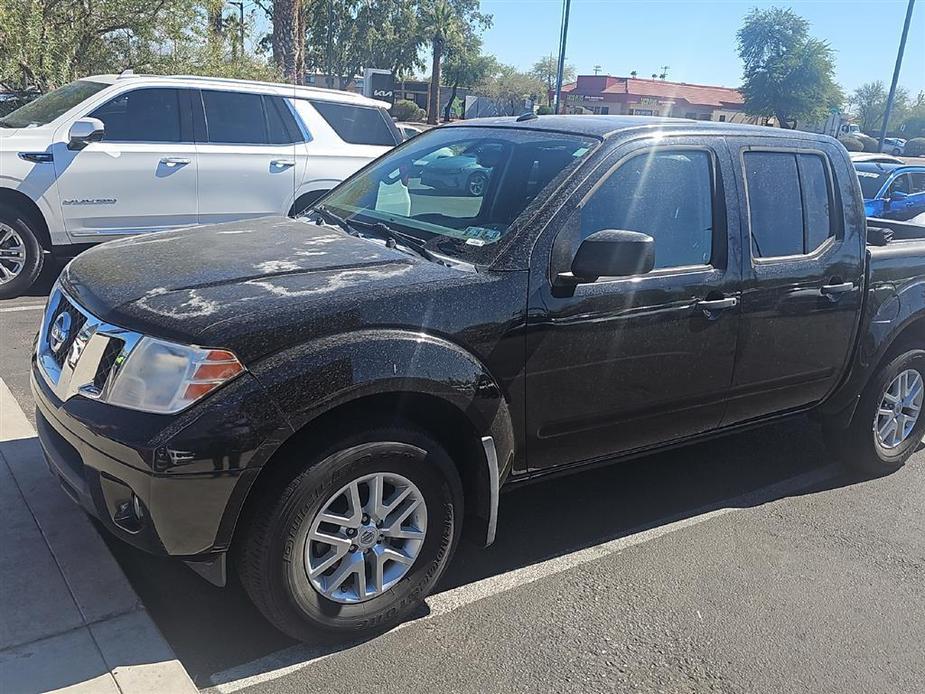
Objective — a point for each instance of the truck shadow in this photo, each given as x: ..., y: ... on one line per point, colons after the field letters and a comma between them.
x: 216, y: 630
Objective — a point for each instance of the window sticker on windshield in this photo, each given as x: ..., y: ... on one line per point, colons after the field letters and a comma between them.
x: 483, y: 234
x: 868, y: 174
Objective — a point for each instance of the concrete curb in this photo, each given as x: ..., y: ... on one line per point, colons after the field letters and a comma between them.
x: 70, y: 619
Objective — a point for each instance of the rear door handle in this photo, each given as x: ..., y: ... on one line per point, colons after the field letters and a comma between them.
x: 282, y: 163
x: 834, y: 291
x: 174, y: 161
x: 711, y: 307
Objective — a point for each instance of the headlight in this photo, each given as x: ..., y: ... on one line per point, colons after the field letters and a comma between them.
x: 164, y: 377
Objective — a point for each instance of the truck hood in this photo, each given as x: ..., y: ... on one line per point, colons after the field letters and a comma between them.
x: 241, y: 285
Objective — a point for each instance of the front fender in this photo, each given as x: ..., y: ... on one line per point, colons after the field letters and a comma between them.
x: 310, y: 380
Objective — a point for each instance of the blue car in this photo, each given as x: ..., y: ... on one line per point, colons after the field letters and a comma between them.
x: 892, y: 191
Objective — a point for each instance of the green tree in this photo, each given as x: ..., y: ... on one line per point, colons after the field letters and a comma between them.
x: 787, y: 73
x: 868, y: 104
x: 509, y: 88
x: 466, y: 66
x: 447, y: 23
x: 546, y: 70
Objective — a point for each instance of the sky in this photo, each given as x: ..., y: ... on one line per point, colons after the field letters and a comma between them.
x: 696, y: 38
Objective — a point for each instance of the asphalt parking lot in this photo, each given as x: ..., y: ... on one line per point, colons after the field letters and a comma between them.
x: 751, y: 563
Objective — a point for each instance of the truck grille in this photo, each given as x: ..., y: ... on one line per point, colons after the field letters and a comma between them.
x: 75, y: 323
x: 78, y: 354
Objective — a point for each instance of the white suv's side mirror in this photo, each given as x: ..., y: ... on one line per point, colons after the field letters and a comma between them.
x: 85, y: 131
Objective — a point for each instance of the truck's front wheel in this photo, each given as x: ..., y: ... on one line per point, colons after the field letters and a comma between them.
x: 21, y: 254
x: 888, y: 424
x: 354, y: 542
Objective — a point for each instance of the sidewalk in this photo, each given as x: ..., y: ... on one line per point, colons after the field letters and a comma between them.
x: 69, y: 620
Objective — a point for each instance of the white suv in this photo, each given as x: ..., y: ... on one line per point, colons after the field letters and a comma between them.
x: 109, y: 155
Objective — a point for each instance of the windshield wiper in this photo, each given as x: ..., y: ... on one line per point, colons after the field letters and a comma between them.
x: 387, y: 233
x: 330, y: 217
x: 381, y: 230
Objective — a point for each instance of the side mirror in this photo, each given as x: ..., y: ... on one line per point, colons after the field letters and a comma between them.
x: 85, y: 131
x: 898, y: 195
x: 611, y: 253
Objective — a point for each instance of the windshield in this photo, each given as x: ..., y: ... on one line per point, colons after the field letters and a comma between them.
x: 51, y: 105
x: 459, y: 189
x: 872, y: 182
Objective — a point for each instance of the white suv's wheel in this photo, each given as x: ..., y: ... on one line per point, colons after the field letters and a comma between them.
x: 21, y: 254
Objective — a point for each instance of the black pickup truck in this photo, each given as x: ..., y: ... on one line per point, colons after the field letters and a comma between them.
x: 324, y: 403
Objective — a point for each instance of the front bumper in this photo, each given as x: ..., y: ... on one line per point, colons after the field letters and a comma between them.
x: 170, y: 485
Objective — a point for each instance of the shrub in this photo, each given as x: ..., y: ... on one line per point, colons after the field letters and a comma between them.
x: 915, y: 147
x: 852, y: 144
x: 404, y: 110
x: 544, y: 110
x: 869, y: 143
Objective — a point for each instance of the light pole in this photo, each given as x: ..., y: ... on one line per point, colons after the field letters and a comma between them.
x: 899, y: 63
x: 563, y: 38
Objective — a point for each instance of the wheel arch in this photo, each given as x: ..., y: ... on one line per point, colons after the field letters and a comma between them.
x: 22, y: 202
x: 395, y: 383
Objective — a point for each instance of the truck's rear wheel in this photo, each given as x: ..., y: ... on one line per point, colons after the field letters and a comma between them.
x: 888, y: 424
x: 21, y: 254
x: 355, y: 542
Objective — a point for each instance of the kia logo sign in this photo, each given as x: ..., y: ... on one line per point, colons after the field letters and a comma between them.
x: 387, y: 93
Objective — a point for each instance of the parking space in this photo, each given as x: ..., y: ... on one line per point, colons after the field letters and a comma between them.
x: 750, y: 563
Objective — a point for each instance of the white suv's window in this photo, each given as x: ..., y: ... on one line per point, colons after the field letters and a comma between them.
x: 142, y: 115
x: 235, y: 118
x: 358, y: 125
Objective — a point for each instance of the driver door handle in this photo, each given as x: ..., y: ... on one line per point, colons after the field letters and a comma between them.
x: 833, y: 291
x: 174, y: 161
x: 282, y: 163
x: 711, y: 305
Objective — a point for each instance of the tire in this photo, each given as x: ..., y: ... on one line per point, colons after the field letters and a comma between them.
x: 277, y: 543
x: 860, y: 446
x: 475, y: 185
x: 897, y: 152
x: 17, y: 235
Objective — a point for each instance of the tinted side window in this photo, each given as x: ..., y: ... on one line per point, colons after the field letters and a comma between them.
x: 282, y: 126
x: 775, y: 211
x: 235, y: 118
x: 358, y: 125
x: 814, y: 181
x: 665, y: 194
x: 900, y: 184
x: 142, y: 115
x: 918, y: 182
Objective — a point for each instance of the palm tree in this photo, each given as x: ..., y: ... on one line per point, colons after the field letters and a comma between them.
x: 442, y: 24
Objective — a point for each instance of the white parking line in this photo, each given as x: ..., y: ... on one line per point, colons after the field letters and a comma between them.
x: 299, y: 657
x: 28, y: 307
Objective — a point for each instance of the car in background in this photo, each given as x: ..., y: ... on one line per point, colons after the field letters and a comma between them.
x: 111, y: 156
x: 874, y: 157
x: 892, y: 191
x: 893, y: 145
x: 466, y: 173
x: 409, y: 130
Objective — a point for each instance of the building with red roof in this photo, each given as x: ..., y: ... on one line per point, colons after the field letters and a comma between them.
x: 605, y: 94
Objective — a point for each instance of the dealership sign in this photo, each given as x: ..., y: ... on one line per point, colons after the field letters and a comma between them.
x: 379, y: 84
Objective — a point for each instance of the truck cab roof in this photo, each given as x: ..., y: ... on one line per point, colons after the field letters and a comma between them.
x: 609, y: 126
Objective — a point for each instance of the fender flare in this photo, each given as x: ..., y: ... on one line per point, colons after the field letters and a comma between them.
x: 904, y: 307
x: 311, y: 380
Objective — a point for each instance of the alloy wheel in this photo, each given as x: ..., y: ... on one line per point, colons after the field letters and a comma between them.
x: 12, y: 253
x: 365, y: 538
x: 899, y: 409
x: 477, y: 185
